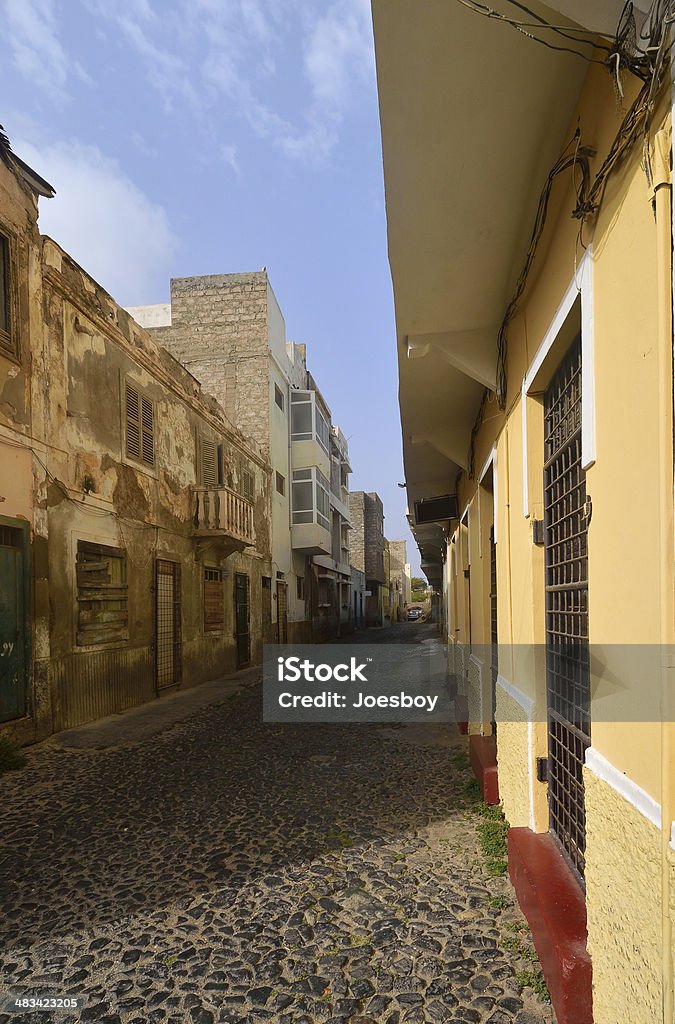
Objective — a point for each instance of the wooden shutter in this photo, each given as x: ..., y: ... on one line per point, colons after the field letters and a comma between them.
x: 209, y: 461
x: 140, y: 419
x: 148, y: 431
x: 247, y: 485
x: 101, y: 595
x: 133, y: 422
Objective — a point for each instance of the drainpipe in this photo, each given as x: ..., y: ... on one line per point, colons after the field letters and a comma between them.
x: 663, y: 210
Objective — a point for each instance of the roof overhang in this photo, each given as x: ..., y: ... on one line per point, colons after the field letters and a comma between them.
x: 473, y: 115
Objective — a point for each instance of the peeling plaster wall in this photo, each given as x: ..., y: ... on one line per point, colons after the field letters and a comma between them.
x: 64, y: 470
x: 103, y: 495
x: 23, y: 388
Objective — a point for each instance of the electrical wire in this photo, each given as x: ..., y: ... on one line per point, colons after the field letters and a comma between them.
x: 522, y: 27
x: 564, y: 31
x: 80, y: 504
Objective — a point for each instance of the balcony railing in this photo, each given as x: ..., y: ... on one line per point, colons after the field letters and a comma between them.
x: 220, y: 511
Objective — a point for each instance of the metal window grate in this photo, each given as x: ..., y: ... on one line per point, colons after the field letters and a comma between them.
x: 10, y: 538
x: 494, y: 636
x: 168, y: 623
x: 567, y: 655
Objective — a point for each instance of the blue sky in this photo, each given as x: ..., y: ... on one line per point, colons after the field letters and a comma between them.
x: 214, y: 136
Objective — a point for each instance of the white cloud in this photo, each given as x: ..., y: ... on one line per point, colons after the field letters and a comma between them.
x: 207, y: 51
x: 229, y: 157
x: 339, y: 52
x: 103, y: 220
x: 37, y: 53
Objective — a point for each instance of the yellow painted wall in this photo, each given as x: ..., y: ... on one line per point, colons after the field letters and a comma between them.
x: 623, y: 897
x: 625, y: 850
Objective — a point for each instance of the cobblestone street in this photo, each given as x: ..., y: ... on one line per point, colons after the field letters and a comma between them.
x: 226, y: 870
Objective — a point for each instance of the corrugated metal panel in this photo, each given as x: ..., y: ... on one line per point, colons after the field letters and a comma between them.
x: 91, y: 685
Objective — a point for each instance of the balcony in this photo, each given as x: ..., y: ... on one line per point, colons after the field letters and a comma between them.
x: 310, y: 539
x: 223, y: 515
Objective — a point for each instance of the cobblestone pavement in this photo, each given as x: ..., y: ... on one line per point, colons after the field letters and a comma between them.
x: 226, y: 870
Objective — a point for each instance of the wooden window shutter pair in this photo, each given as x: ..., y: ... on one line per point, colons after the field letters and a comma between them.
x: 212, y: 459
x: 140, y: 417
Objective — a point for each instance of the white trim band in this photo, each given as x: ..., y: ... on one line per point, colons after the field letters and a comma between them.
x: 526, y: 703
x: 625, y: 787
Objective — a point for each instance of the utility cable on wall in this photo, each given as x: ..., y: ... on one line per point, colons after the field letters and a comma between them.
x: 648, y: 63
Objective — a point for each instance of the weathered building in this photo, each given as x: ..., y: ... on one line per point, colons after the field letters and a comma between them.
x: 228, y: 330
x: 399, y: 577
x: 368, y: 552
x: 135, y: 516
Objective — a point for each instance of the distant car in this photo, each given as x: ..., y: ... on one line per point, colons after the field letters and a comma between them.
x: 414, y: 614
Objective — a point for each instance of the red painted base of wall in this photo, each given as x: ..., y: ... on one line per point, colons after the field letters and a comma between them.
x: 462, y: 714
x: 483, y: 755
x: 554, y: 905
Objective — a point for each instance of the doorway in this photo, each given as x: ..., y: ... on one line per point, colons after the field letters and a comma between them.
x: 168, y: 636
x: 242, y: 628
x: 14, y: 660
x: 567, y: 650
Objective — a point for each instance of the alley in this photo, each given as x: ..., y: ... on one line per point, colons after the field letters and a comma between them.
x: 226, y: 870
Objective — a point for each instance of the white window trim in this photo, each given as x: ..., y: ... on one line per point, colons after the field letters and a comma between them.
x: 491, y: 461
x: 580, y: 285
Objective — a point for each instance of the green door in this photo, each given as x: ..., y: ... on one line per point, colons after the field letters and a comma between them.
x: 12, y: 625
x: 241, y: 619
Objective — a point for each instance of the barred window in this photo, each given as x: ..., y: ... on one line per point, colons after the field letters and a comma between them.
x: 214, y: 600
x: 140, y: 421
x: 102, y: 594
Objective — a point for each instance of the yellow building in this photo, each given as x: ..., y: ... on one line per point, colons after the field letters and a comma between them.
x: 527, y: 161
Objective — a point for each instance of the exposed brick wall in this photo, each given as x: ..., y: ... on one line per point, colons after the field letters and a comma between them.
x: 219, y: 331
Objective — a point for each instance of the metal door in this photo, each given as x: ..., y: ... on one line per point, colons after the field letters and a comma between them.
x: 13, y: 624
x: 168, y: 637
x: 243, y: 636
x: 282, y: 613
x: 567, y: 654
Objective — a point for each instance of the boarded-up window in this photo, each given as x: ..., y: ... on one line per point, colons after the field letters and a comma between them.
x: 212, y: 468
x: 7, y: 344
x: 102, y: 594
x: 214, y: 596
x: 140, y: 419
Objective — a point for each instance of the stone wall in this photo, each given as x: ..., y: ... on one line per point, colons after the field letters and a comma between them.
x: 219, y: 332
x: 367, y: 535
x: 357, y: 535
